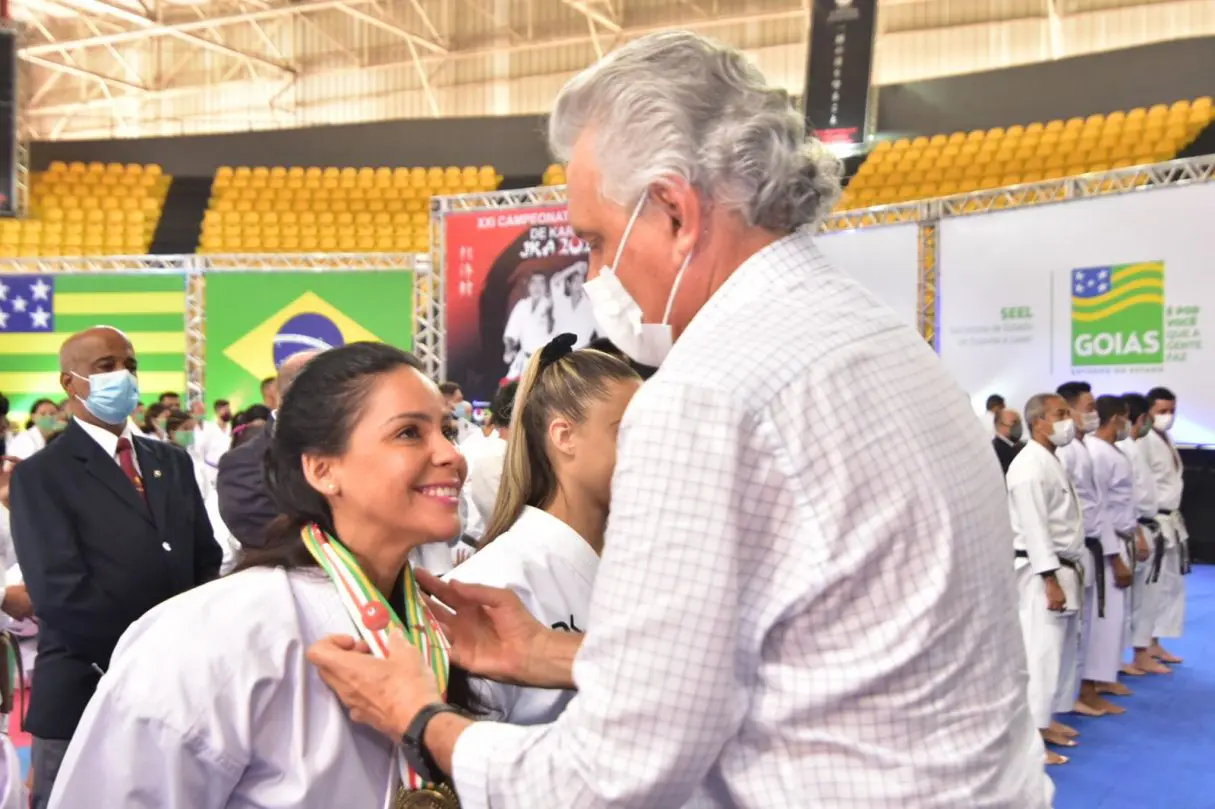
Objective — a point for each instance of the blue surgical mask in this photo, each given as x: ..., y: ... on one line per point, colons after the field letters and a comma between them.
x: 463, y: 410
x: 113, y: 396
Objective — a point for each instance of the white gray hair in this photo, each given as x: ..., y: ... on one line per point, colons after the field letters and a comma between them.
x: 1035, y: 408
x: 678, y: 105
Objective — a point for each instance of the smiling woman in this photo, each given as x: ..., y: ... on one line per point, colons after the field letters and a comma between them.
x: 212, y: 689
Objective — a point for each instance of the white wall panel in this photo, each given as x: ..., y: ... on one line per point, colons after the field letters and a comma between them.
x: 1009, y: 324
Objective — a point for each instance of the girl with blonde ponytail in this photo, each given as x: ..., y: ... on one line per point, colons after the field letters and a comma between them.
x: 546, y: 533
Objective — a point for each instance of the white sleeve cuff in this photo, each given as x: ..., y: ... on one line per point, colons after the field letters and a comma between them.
x: 471, y: 760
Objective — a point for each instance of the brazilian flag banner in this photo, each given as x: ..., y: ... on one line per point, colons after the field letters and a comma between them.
x: 255, y: 320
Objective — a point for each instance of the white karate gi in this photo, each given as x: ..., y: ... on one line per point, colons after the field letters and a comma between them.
x: 528, y: 326
x: 1165, y: 463
x: 1144, y: 592
x: 552, y: 570
x: 210, y: 704
x: 25, y: 443
x: 1047, y: 527
x: 1079, y: 466
x: 1114, y: 477
x: 12, y: 786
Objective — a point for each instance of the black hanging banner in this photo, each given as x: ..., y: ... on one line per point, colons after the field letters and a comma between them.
x: 839, y: 69
x: 8, y: 121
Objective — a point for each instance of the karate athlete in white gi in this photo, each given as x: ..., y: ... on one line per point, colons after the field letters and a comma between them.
x: 1114, y: 476
x: 1048, y: 539
x: 792, y: 608
x: 1078, y: 462
x: 1167, y: 469
x: 208, y: 702
x: 546, y: 532
x: 1150, y: 552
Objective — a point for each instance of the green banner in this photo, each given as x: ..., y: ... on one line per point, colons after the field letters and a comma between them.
x: 39, y: 311
x: 255, y: 320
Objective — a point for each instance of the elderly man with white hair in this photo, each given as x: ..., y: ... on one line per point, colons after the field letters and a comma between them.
x: 803, y: 599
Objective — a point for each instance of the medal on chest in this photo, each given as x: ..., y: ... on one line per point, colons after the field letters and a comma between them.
x: 373, y: 618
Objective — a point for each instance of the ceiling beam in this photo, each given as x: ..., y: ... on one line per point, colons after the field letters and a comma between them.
x: 392, y: 28
x: 154, y: 29
x: 794, y: 14
x: 81, y: 73
x: 597, y: 17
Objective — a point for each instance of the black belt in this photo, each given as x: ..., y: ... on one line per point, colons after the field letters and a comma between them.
x: 1158, y: 562
x: 1067, y: 563
x: 1094, y: 547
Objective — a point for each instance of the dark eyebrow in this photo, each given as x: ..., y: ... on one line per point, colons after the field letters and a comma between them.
x: 414, y: 415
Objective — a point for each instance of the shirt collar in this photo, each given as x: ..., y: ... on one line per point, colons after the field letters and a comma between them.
x: 106, y: 439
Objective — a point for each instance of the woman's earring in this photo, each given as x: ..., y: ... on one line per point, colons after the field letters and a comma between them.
x: 332, y: 489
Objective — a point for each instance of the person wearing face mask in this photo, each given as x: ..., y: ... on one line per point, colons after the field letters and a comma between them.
x: 154, y: 419
x: 1008, y: 436
x: 107, y: 524
x: 459, y: 408
x: 183, y: 432
x: 44, y: 422
x: 1078, y: 462
x: 1151, y: 544
x: 1167, y: 471
x: 1048, y: 542
x: 761, y: 632
x: 1115, y: 479
x: 214, y: 434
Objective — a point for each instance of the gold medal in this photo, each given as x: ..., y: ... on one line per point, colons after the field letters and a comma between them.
x: 435, y: 796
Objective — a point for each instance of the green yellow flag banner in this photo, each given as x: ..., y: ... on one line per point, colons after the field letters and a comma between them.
x: 255, y: 320
x: 38, y: 311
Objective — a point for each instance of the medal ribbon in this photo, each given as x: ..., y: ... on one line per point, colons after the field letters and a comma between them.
x: 375, y: 617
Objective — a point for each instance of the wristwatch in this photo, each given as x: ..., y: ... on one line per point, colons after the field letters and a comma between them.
x: 412, y: 746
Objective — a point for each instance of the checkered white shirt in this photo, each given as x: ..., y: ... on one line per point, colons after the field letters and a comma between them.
x: 806, y: 597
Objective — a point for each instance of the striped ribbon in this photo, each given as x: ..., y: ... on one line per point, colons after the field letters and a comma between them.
x: 375, y: 618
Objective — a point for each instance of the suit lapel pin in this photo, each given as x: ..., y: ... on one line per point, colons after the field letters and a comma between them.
x: 155, y: 473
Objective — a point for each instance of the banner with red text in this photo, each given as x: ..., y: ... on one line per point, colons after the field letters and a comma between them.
x: 514, y: 280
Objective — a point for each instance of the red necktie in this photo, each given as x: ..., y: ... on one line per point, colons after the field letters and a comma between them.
x: 126, y: 459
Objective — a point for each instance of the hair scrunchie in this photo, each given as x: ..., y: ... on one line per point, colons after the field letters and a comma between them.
x: 558, y: 347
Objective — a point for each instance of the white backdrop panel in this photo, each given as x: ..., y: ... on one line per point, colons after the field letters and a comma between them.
x: 1114, y: 291
x: 885, y: 259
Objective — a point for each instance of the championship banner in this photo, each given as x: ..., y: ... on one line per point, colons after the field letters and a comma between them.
x: 39, y: 311
x: 839, y: 69
x: 885, y: 259
x: 255, y: 320
x: 1112, y: 291
x: 514, y: 280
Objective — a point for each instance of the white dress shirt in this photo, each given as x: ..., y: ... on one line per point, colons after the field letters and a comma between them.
x: 25, y: 443
x: 1115, y: 477
x: 552, y: 570
x: 792, y: 609
x: 1044, y: 509
x: 1145, y: 484
x: 109, y: 442
x: 1165, y: 463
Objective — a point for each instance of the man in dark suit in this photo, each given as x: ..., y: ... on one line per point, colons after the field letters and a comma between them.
x: 1008, y: 436
x: 245, y: 504
x: 107, y: 524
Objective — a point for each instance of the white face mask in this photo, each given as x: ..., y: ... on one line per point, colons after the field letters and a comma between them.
x: 1124, y: 432
x: 1063, y: 433
x: 619, y: 316
x: 1092, y: 422
x: 1163, y: 422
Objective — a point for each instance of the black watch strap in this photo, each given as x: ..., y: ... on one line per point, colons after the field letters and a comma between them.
x: 414, y: 749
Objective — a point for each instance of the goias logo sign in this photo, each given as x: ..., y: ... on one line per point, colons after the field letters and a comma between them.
x: 1118, y: 314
